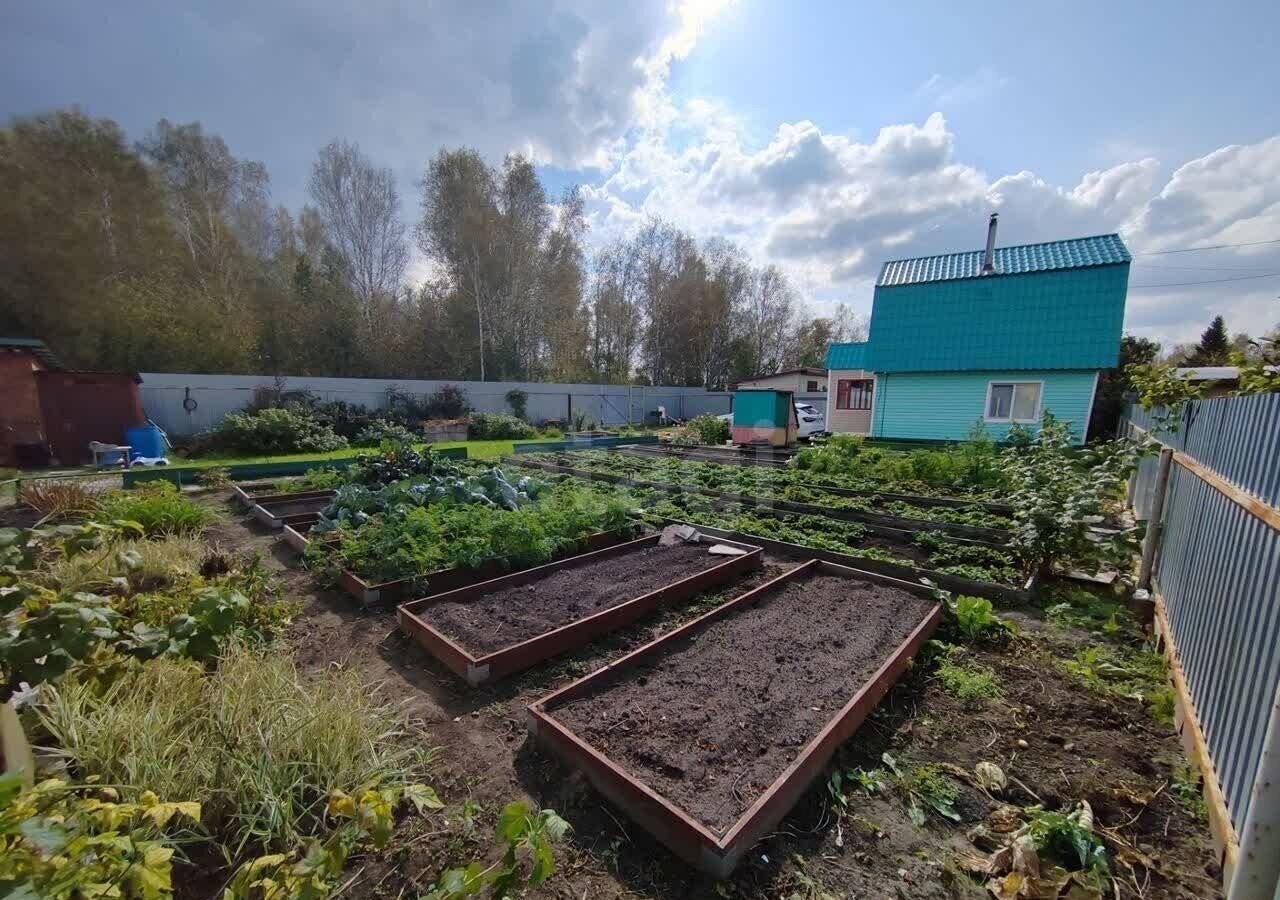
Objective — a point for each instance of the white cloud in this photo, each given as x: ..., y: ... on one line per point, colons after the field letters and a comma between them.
x: 832, y: 209
x: 581, y: 83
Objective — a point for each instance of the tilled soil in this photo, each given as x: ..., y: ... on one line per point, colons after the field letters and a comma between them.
x: 520, y: 612
x: 717, y: 717
x: 1058, y: 739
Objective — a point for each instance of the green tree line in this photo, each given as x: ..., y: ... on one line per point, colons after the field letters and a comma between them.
x: 167, y: 253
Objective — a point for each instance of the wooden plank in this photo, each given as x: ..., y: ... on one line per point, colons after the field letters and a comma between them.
x: 1225, y: 839
x: 1252, y: 504
x: 1237, y: 495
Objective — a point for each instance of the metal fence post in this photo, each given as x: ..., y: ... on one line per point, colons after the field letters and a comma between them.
x: 1257, y: 872
x: 1154, y: 521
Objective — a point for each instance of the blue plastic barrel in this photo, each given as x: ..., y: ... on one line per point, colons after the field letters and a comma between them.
x: 144, y: 440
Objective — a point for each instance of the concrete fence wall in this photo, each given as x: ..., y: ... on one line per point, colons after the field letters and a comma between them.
x: 185, y: 404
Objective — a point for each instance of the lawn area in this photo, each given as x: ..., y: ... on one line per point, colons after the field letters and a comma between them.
x: 475, y: 450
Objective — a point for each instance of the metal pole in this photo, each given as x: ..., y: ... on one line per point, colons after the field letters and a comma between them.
x: 1154, y: 520
x: 1257, y: 871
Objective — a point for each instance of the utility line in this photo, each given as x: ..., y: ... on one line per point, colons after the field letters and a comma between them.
x: 1215, y: 247
x: 1139, y: 287
x: 1206, y: 268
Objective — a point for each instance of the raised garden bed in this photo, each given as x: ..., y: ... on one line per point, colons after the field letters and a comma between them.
x: 731, y: 456
x: 401, y: 589
x: 498, y: 627
x: 251, y: 493
x: 993, y: 536
x: 924, y: 500
x: 709, y: 735
x: 442, y: 430
x: 291, y: 509
x: 957, y: 584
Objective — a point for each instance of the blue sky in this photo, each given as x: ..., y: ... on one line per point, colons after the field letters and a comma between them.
x: 824, y: 137
x: 1059, y: 88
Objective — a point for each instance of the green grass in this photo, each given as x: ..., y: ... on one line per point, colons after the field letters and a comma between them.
x: 475, y: 450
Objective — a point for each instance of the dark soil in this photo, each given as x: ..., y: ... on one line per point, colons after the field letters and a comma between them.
x: 282, y: 508
x: 520, y: 612
x: 712, y: 721
x: 1079, y: 744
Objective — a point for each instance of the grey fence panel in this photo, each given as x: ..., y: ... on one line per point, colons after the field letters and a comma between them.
x: 1218, y: 574
x: 1237, y: 437
x: 708, y: 404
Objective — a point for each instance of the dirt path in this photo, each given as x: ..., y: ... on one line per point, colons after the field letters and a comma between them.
x: 1061, y: 741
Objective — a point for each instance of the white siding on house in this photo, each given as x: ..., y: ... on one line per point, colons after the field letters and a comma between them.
x: 846, y: 421
x: 795, y: 382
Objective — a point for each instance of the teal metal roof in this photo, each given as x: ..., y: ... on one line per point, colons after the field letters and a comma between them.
x: 1064, y: 318
x: 1101, y: 250
x: 846, y: 356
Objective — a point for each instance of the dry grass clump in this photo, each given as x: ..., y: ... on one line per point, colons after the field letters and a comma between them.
x: 63, y: 499
x: 259, y: 746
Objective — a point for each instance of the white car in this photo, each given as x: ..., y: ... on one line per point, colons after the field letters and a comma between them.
x: 809, y: 416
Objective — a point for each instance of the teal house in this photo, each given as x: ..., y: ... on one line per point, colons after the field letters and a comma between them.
x: 996, y: 336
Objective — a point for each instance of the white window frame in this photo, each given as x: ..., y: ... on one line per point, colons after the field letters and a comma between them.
x: 1010, y: 420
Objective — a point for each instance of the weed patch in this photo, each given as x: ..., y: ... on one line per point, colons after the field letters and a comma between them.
x: 159, y: 507
x: 971, y: 683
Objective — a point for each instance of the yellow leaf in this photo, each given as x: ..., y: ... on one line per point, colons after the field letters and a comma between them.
x: 254, y: 866
x: 341, y: 804
x: 148, y: 799
x: 154, y: 878
x: 422, y: 797
x: 156, y: 856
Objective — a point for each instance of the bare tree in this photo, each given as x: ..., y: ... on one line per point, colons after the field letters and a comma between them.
x: 360, y: 208
x: 458, y: 228
x: 218, y: 205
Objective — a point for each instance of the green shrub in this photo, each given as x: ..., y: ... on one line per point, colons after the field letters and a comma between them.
x: 158, y: 506
x: 494, y: 427
x: 518, y: 400
x: 262, y: 748
x: 709, y: 429
x: 380, y: 431
x: 214, y: 477
x: 274, y: 431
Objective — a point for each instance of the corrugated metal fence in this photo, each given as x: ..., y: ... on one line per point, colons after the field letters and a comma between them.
x: 1218, y: 581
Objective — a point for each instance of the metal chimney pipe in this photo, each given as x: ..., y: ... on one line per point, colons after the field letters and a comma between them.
x: 989, y: 258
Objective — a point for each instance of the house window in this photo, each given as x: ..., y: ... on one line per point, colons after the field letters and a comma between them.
x: 813, y: 387
x: 1013, y: 401
x: 854, y: 393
